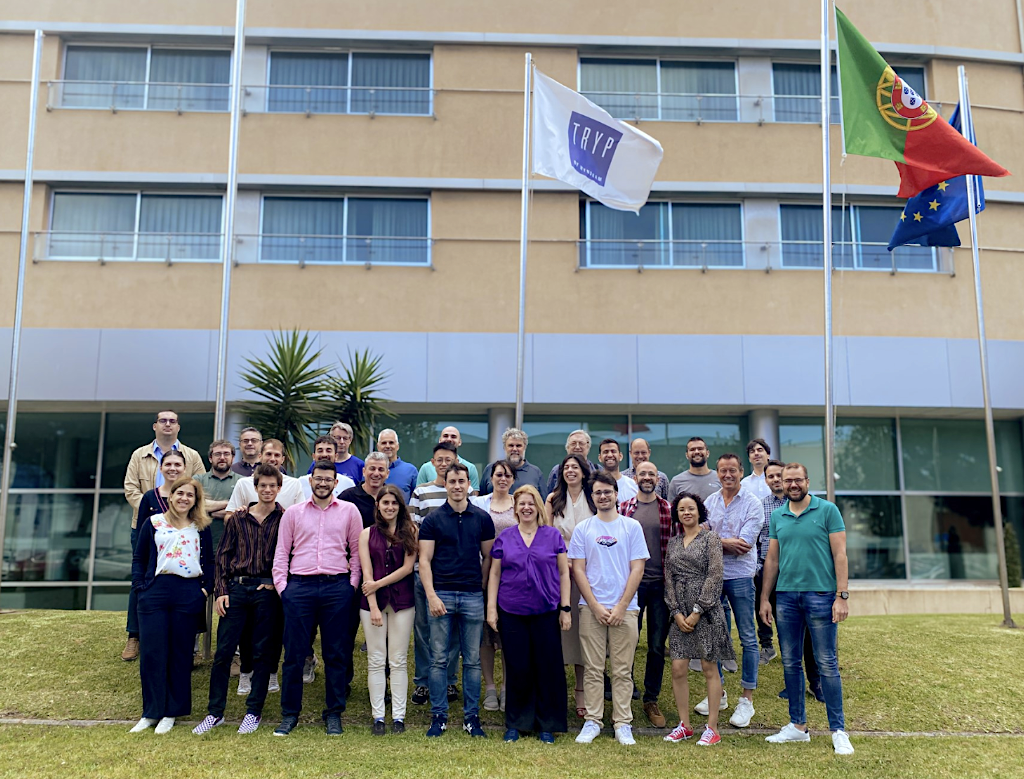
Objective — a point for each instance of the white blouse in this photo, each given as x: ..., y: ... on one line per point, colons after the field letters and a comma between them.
x: 177, y: 551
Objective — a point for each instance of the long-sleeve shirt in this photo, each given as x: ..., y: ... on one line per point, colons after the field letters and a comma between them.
x: 247, y: 548
x: 244, y: 493
x: 312, y: 541
x: 769, y: 505
x: 742, y: 518
x: 143, y: 472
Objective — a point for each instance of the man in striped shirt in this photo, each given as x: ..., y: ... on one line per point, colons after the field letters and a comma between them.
x: 427, y: 497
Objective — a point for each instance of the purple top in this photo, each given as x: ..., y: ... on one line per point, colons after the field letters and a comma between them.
x: 530, y: 582
x: 386, y: 560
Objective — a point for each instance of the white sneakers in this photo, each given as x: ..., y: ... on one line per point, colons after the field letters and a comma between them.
x: 164, y: 726
x: 788, y: 733
x: 590, y: 731
x: 624, y: 735
x: 244, y: 683
x: 143, y: 724
x: 744, y: 711
x: 274, y: 685
x: 841, y: 743
x: 702, y: 707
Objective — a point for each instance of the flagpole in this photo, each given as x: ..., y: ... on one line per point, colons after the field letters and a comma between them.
x: 826, y: 224
x: 523, y: 240
x: 19, y: 300
x: 966, y: 126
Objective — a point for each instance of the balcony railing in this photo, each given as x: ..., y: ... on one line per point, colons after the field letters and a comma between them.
x: 308, y: 100
x: 138, y: 96
x: 124, y: 246
x: 333, y: 249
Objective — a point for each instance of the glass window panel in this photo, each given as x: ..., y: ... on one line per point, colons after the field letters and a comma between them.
x: 180, y: 227
x: 803, y: 441
x: 698, y: 90
x: 951, y: 537
x: 55, y: 450
x: 127, y: 432
x: 1013, y: 514
x: 417, y: 436
x: 113, y: 540
x: 913, y: 77
x: 546, y: 447
x: 92, y: 225
x: 667, y: 437
x: 797, y: 93
x: 874, y: 536
x: 382, y: 230
x: 876, y: 225
x: 47, y: 538
x: 378, y: 81
x: 950, y: 455
x: 621, y: 238
x: 189, y: 80
x: 801, y: 231
x: 303, y: 229
x: 308, y: 83
x: 627, y: 89
x: 1009, y: 455
x: 110, y: 598
x: 43, y: 597
x: 707, y: 235
x: 865, y: 455
x: 104, y: 77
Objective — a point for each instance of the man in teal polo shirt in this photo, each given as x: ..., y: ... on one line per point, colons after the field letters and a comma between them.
x: 807, y: 556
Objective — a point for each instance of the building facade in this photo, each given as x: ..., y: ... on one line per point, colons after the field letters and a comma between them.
x: 379, y: 165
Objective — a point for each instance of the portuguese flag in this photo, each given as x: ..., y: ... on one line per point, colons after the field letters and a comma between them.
x: 883, y: 117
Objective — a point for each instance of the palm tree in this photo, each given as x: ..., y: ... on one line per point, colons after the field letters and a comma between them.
x: 354, y: 397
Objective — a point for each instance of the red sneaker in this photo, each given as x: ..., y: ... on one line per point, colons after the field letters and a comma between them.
x: 709, y: 738
x: 680, y: 733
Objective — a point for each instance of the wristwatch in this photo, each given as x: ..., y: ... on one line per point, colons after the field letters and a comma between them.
x: 566, y: 609
x: 697, y: 609
x: 844, y: 595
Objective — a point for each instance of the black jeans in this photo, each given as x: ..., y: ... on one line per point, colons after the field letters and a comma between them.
x: 764, y: 632
x: 651, y: 599
x: 532, y: 653
x: 259, y: 613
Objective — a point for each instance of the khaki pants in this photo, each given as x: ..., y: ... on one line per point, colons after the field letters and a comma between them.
x: 618, y: 644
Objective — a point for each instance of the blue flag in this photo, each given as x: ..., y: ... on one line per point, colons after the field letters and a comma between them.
x: 929, y: 217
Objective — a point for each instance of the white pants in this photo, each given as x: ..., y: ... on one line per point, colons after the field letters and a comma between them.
x: 390, y: 641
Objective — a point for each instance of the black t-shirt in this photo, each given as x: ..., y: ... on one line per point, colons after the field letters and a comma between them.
x: 457, y: 537
x: 364, y: 502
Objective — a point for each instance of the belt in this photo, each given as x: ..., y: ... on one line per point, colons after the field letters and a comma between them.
x: 318, y: 577
x: 252, y: 580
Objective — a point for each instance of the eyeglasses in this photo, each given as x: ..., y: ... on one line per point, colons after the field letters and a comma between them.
x: 167, y: 421
x: 793, y: 481
x: 251, y: 440
x: 603, y: 493
x: 322, y: 480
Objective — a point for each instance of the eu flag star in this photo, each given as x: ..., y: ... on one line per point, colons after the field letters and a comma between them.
x: 903, y: 217
x: 942, y: 186
x: 918, y: 217
x: 934, y: 205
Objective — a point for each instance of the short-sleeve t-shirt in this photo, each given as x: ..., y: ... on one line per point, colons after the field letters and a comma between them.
x: 608, y: 548
x: 805, y: 554
x: 457, y: 536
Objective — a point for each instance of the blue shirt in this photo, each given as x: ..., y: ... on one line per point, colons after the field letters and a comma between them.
x: 402, y: 475
x: 352, y: 468
x: 159, y: 456
x: 742, y: 518
x: 457, y: 537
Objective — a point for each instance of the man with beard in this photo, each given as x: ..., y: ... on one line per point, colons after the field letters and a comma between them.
x: 809, y: 571
x: 515, y: 440
x: 611, y: 455
x: 218, y: 484
x: 578, y: 442
x: 640, y: 452
x: 698, y: 479
x: 316, y: 573
x: 655, y: 517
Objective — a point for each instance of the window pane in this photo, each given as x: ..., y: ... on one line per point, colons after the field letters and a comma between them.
x: 48, y: 538
x: 43, y: 597
x: 947, y: 455
x: 417, y: 436
x: 707, y: 235
x: 876, y: 225
x: 667, y: 437
x: 698, y: 90
x: 874, y: 536
x: 189, y: 80
x: 113, y: 540
x: 377, y: 81
x: 103, y: 72
x: 94, y: 226
x: 1013, y: 514
x: 797, y: 90
x: 110, y: 598
x: 303, y: 229
x: 913, y: 77
x: 1009, y: 457
x: 315, y: 83
x: 55, y: 450
x: 179, y: 227
x: 951, y: 537
x: 623, y: 238
x: 801, y: 228
x: 627, y: 89
x: 547, y: 437
x: 382, y: 230
x: 127, y: 432
x: 866, y: 455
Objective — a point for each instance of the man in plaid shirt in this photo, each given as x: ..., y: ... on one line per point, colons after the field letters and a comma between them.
x: 772, y: 478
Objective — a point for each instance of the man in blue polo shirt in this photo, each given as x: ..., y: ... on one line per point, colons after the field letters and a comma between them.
x: 807, y: 554
x: 452, y: 539
x: 400, y: 473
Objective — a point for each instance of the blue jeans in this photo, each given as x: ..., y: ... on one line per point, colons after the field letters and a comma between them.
x: 738, y: 596
x: 421, y: 642
x: 465, y: 619
x: 795, y: 612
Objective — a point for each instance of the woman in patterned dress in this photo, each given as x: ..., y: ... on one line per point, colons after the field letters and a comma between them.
x: 693, y: 592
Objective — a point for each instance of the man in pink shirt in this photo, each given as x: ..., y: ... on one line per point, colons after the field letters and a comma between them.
x: 316, y: 573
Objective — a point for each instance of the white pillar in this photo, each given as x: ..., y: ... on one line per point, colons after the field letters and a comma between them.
x: 764, y: 423
x: 498, y: 421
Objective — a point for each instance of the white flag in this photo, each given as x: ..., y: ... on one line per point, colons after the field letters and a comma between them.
x: 581, y: 144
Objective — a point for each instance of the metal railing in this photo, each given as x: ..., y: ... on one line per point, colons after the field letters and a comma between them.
x: 138, y: 96
x: 305, y: 250
x: 709, y: 107
x: 127, y: 246
x: 308, y: 100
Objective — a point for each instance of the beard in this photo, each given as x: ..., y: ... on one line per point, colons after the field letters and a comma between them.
x: 698, y: 460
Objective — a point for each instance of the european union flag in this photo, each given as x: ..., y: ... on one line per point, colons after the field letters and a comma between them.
x: 929, y: 217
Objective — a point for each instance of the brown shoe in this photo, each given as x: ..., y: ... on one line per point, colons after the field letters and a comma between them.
x: 197, y: 660
x: 131, y: 650
x: 236, y: 665
x: 654, y: 714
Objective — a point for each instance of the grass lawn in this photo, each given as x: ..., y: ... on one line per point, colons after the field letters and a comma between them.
x: 908, y: 674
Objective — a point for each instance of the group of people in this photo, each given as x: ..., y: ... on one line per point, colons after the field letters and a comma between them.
x: 549, y: 572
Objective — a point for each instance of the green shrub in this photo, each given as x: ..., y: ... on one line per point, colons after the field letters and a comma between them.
x: 1013, y: 566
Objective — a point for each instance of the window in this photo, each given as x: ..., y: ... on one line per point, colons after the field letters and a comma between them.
x: 860, y: 236
x: 349, y: 83
x: 133, y: 226
x: 691, y: 235
x: 797, y: 91
x: 951, y: 455
x: 140, y: 77
x: 345, y: 230
x: 667, y: 90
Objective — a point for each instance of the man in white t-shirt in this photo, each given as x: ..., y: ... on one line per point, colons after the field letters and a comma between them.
x: 607, y: 553
x: 758, y: 452
x: 244, y: 492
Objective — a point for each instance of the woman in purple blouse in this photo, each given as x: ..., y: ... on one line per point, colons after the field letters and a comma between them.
x: 527, y: 603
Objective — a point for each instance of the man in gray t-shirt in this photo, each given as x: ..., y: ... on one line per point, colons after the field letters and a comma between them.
x: 699, y: 479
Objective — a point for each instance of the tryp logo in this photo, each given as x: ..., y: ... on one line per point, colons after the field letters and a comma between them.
x: 608, y: 541
x: 592, y: 146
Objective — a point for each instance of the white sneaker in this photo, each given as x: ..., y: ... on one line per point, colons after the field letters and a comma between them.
x: 164, y: 726
x: 841, y: 743
x: 624, y: 735
x: 590, y: 731
x: 274, y: 686
x: 245, y: 683
x: 744, y: 711
x: 702, y: 707
x: 143, y: 724
x: 789, y: 733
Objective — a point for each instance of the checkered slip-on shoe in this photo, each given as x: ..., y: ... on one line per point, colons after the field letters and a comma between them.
x: 209, y: 723
x: 249, y: 724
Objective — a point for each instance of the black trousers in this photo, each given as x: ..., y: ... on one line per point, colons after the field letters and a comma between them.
x: 259, y: 613
x: 531, y: 648
x: 764, y: 632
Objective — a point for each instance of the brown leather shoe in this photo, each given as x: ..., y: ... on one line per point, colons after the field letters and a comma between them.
x: 236, y: 666
x: 131, y: 650
x: 654, y: 714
